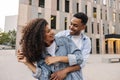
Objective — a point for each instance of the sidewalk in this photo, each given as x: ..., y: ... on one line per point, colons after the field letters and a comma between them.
x: 95, y: 69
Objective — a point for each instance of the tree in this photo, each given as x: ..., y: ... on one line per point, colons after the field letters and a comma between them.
x: 12, y: 37
x: 4, y: 38
x: 8, y: 38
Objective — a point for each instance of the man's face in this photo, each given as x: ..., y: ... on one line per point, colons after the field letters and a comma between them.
x: 76, y: 26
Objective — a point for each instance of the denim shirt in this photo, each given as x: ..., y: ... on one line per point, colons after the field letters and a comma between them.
x: 85, y: 46
x: 64, y: 47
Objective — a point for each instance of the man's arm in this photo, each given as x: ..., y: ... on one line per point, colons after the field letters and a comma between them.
x: 61, y: 74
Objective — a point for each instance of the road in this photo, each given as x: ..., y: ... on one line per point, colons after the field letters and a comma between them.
x: 95, y: 69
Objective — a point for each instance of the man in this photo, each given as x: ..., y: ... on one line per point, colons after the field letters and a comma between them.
x: 78, y: 24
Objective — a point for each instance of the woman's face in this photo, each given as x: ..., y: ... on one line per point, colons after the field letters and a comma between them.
x: 49, y: 34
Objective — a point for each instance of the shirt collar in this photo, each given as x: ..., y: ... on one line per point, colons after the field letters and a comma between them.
x: 82, y: 36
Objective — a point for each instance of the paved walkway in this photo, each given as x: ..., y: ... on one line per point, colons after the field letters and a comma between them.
x: 95, y: 69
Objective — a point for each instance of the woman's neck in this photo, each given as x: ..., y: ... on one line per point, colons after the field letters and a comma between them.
x: 49, y: 43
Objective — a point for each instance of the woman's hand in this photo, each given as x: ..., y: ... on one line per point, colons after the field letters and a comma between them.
x: 51, y: 60
x: 21, y: 58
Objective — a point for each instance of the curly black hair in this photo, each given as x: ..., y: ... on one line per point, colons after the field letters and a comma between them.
x: 32, y: 41
x: 82, y: 16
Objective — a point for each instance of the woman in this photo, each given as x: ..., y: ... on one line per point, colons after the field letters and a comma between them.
x: 50, y: 53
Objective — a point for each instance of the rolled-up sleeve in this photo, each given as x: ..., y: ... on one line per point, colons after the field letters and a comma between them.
x: 75, y: 58
x: 72, y: 59
x: 75, y: 54
x: 38, y: 73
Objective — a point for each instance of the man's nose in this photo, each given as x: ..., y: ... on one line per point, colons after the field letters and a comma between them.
x: 71, y: 27
x: 52, y: 32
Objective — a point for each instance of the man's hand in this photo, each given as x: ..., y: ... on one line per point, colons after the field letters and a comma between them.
x: 59, y: 75
x: 51, y: 60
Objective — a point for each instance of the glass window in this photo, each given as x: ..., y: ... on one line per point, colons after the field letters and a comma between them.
x: 92, y: 27
x: 53, y: 22
x: 105, y: 14
x: 40, y: 15
x: 101, y: 13
x: 30, y: 2
x: 77, y: 7
x: 58, y: 4
x: 104, y: 2
x: 85, y: 9
x: 94, y: 12
x: 66, y: 5
x: 97, y: 46
x: 65, y: 21
x: 97, y: 28
x: 114, y: 16
x: 42, y: 3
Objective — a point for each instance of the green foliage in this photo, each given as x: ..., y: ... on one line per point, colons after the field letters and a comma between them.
x: 8, y: 38
x: 4, y: 38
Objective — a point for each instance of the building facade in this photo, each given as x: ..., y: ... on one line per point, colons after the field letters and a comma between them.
x: 104, y: 19
x: 10, y: 23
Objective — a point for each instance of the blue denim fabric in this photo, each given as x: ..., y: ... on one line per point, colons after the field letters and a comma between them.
x: 85, y: 46
x: 64, y: 47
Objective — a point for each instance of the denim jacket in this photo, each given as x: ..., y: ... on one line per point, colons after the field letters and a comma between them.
x: 85, y: 46
x: 64, y: 47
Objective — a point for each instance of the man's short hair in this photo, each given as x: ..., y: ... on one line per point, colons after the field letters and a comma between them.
x: 82, y: 16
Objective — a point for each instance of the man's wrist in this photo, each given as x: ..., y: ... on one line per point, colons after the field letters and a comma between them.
x: 67, y: 70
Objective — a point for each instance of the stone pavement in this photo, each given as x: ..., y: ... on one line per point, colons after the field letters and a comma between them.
x: 95, y: 68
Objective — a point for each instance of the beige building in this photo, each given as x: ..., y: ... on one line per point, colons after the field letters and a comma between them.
x: 103, y: 26
x: 10, y: 23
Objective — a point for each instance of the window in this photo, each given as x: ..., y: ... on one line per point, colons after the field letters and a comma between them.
x: 106, y: 46
x: 40, y: 15
x: 65, y: 21
x: 97, y: 28
x: 94, y: 12
x: 103, y: 28
x: 30, y: 2
x: 95, y: 1
x: 86, y: 29
x: 57, y: 4
x: 77, y: 7
x: 53, y: 22
x: 92, y: 27
x: 97, y: 46
x: 108, y: 28
x: 105, y: 14
x: 85, y: 9
x: 119, y: 17
x: 91, y: 45
x: 114, y: 46
x: 114, y: 17
x: 104, y: 2
x: 101, y: 13
x: 66, y: 5
x: 119, y: 4
x: 110, y: 3
x: 42, y: 3
x: 114, y: 3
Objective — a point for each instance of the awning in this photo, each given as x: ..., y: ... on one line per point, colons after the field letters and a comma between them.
x: 112, y: 37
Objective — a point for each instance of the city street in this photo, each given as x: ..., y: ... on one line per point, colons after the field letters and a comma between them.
x: 95, y: 69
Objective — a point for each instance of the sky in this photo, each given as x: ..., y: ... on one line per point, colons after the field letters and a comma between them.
x: 7, y: 8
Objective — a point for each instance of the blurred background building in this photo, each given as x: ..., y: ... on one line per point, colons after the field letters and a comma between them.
x: 10, y: 23
x: 103, y: 26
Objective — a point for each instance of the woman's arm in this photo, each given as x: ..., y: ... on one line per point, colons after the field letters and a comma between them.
x: 21, y: 58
